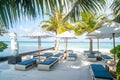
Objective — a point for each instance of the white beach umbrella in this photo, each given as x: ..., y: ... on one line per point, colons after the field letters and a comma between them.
x: 108, y: 30
x: 38, y: 33
x: 66, y: 35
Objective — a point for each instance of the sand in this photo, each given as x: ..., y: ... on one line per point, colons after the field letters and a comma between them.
x: 64, y: 70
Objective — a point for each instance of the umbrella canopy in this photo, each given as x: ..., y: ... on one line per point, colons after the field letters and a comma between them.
x: 66, y: 35
x: 38, y: 33
x: 34, y: 33
x: 108, y: 30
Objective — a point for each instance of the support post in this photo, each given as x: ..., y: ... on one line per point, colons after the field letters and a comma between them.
x: 113, y: 34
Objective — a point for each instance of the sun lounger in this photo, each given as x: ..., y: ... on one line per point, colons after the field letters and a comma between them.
x: 86, y: 51
x: 69, y: 51
x: 98, y: 72
x: 91, y: 57
x: 46, y: 55
x: 96, y: 52
x: 106, y: 57
x: 25, y: 65
x: 62, y: 51
x: 58, y: 55
x: 48, y: 64
x: 71, y: 57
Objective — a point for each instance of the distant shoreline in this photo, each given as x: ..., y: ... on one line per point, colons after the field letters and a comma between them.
x: 68, y: 41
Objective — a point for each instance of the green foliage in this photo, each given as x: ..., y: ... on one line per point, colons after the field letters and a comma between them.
x: 12, y: 10
x: 88, y: 22
x: 118, y: 70
x: 57, y: 22
x: 2, y: 46
x: 117, y: 51
x: 116, y: 10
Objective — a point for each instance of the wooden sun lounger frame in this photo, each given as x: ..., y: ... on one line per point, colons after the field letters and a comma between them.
x: 105, y: 60
x: 91, y: 59
x: 25, y: 67
x: 71, y: 58
x: 47, y: 67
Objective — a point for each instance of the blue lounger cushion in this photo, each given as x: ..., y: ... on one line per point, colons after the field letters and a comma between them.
x: 86, y: 51
x: 72, y: 55
x: 48, y: 61
x: 90, y: 55
x: 106, y: 57
x: 26, y: 62
x: 46, y: 54
x: 100, y: 72
x: 58, y: 55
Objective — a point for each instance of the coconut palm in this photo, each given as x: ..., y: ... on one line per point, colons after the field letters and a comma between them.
x: 56, y: 23
x: 2, y: 30
x: 12, y: 11
x: 116, y: 8
x: 88, y: 23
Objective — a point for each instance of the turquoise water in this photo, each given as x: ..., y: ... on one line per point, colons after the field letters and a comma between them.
x: 25, y: 46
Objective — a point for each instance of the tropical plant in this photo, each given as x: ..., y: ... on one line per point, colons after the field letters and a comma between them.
x: 88, y: 23
x: 116, y: 8
x: 12, y: 11
x: 2, y: 30
x: 2, y: 46
x: 117, y: 51
x: 56, y: 23
x: 118, y: 70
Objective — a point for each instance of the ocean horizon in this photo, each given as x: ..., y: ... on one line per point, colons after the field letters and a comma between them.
x: 26, y: 46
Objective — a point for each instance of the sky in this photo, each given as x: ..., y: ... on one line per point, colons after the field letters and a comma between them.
x: 27, y: 25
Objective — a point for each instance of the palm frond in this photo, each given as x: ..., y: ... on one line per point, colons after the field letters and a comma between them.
x: 85, y: 6
x: 116, y: 8
x: 11, y: 11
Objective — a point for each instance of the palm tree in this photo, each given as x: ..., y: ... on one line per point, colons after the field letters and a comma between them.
x: 2, y: 30
x: 116, y: 8
x: 88, y: 23
x: 12, y: 11
x: 56, y: 23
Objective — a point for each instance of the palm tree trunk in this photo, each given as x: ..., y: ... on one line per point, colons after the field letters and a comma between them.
x: 114, y: 51
x: 91, y: 46
x: 39, y: 46
x: 56, y: 43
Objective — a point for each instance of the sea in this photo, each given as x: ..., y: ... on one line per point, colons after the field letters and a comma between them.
x: 26, y: 46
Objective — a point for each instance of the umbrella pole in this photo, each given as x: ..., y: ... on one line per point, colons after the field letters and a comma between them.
x: 66, y: 44
x: 98, y: 45
x: 113, y: 34
x: 39, y: 45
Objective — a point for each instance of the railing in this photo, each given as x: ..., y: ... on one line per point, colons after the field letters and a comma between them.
x: 31, y: 52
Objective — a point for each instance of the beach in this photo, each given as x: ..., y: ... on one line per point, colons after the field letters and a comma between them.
x: 64, y: 70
